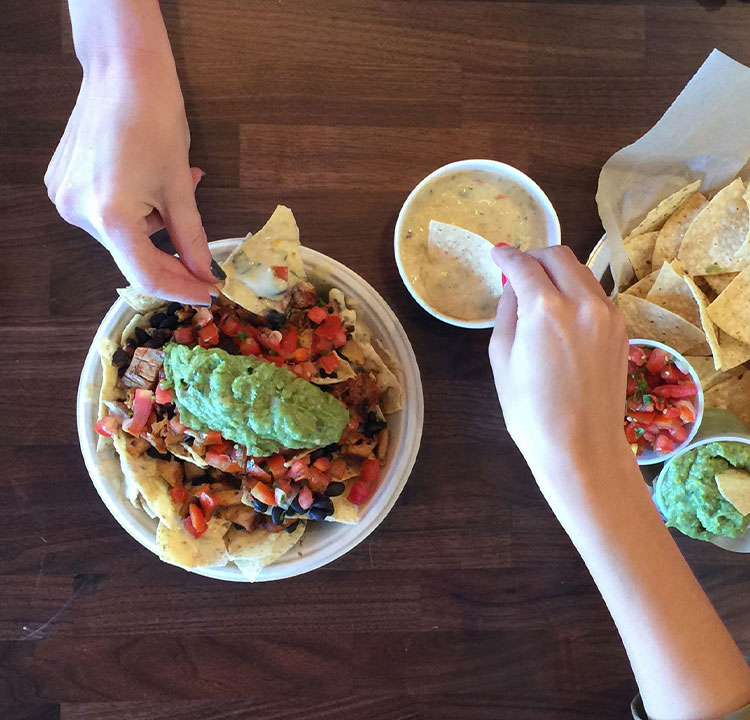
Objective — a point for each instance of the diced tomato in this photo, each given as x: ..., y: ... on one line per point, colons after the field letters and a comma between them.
x: 231, y: 325
x: 143, y: 403
x: 305, y: 370
x: 637, y: 355
x: 163, y: 396
x: 679, y: 434
x: 645, y: 418
x: 365, y: 485
x: 685, y: 390
x: 664, y: 443
x: 221, y: 461
x: 338, y: 468
x: 183, y: 335
x: 202, y: 317
x: 671, y: 412
x: 317, y: 314
x: 281, y: 271
x: 656, y: 360
x: 270, y: 339
x: 330, y: 326
x: 322, y: 463
x: 208, y: 503
x: 667, y: 423
x: 329, y: 362
x: 195, y: 522
x: 178, y: 494
x: 208, y: 335
x: 288, y: 343
x: 249, y: 346
x: 298, y: 470
x: 317, y: 480
x: 276, y: 466
x: 223, y: 446
x: 176, y: 426
x: 320, y: 345
x: 275, y: 359
x: 687, y: 410
x: 305, y: 498
x: 256, y: 471
x: 106, y: 426
x: 212, y: 437
x: 631, y: 432
x: 264, y: 493
x: 301, y: 354
x: 339, y: 339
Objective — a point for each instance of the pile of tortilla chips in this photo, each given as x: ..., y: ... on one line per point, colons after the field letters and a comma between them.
x: 146, y: 479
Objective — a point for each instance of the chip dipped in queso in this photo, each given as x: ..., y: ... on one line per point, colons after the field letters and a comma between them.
x: 449, y: 269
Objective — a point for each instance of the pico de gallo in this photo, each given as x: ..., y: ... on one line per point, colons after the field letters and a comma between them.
x: 660, y: 406
x: 311, y: 340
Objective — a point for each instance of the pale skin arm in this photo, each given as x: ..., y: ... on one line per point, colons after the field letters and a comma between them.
x: 559, y: 355
x: 121, y: 170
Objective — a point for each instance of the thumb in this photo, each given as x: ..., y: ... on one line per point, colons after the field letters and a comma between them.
x: 186, y: 231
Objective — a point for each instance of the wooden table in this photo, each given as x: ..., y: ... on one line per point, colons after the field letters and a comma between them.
x: 477, y: 609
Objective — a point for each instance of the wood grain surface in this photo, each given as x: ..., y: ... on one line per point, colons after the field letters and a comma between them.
x: 469, y: 609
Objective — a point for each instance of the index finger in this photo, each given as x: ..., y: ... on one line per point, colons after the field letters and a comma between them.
x: 524, y: 272
x: 155, y: 272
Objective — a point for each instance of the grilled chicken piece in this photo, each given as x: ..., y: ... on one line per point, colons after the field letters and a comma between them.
x: 144, y: 368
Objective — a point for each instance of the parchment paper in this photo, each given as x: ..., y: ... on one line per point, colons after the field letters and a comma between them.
x: 705, y: 134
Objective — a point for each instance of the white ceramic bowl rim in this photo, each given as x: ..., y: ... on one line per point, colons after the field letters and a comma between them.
x: 332, y: 539
x: 653, y: 458
x: 499, y: 168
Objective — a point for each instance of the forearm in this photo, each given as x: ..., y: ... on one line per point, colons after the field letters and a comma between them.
x: 685, y: 662
x: 118, y: 32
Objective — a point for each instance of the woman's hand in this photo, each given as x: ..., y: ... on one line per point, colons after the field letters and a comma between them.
x: 121, y: 170
x: 559, y: 356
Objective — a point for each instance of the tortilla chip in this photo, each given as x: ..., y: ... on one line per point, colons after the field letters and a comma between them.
x: 178, y: 547
x: 672, y: 233
x: 711, y: 242
x: 141, y: 321
x: 731, y: 310
x: 392, y: 394
x: 640, y: 251
x: 734, y: 485
x: 249, y: 267
x: 670, y: 291
x: 727, y: 351
x: 348, y: 315
x: 641, y: 288
x: 251, y: 552
x: 732, y: 395
x: 469, y: 250
x: 652, y: 322
x: 140, y: 303
x: 707, y: 372
x: 108, y: 390
x: 344, y: 371
x: 719, y: 283
x: 657, y: 217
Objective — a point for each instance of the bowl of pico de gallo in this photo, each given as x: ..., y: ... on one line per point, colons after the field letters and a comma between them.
x: 664, y: 401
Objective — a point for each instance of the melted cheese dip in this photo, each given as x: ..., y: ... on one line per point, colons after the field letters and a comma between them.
x: 494, y: 207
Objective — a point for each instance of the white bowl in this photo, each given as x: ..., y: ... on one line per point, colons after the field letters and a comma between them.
x: 497, y: 168
x: 651, y: 457
x: 322, y: 542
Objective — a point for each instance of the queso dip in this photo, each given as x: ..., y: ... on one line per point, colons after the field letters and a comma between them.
x: 494, y: 207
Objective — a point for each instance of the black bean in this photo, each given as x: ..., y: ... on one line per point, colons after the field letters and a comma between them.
x: 326, y: 451
x: 296, y: 508
x: 372, y: 425
x: 237, y: 526
x: 201, y: 480
x: 120, y: 359
x: 291, y: 528
x: 259, y: 506
x: 152, y: 452
x: 317, y: 514
x: 141, y: 336
x: 171, y: 410
x: 228, y: 346
x: 277, y: 515
x: 184, y: 313
x: 275, y: 319
x: 131, y: 345
x: 170, y: 322
x: 335, y: 489
x: 173, y: 307
x: 157, y: 319
x: 323, y: 502
x: 158, y: 338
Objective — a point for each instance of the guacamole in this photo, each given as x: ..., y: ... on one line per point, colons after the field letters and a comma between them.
x: 251, y: 402
x: 688, y: 496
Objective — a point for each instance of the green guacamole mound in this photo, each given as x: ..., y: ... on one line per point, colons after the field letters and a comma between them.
x: 688, y: 495
x: 251, y: 402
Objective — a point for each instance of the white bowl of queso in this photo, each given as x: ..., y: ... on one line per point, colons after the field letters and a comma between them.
x: 486, y: 197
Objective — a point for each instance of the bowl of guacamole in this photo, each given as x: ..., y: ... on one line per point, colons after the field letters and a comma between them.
x: 703, y: 490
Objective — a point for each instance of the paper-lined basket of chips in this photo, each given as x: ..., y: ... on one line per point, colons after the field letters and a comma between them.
x: 675, y: 206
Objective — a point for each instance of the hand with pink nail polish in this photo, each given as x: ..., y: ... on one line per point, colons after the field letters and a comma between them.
x: 121, y: 170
